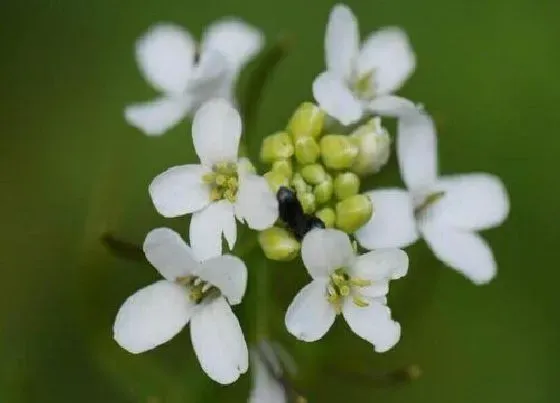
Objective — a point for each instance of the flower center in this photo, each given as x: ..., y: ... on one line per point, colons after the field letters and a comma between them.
x: 363, y: 86
x: 341, y: 285
x: 224, y: 181
x: 428, y: 201
x: 197, y: 288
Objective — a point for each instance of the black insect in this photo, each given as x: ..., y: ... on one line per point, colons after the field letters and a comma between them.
x: 291, y: 213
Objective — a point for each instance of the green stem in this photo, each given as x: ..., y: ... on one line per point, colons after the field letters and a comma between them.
x: 122, y: 249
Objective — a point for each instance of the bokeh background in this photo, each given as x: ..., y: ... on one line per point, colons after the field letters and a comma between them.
x: 71, y: 168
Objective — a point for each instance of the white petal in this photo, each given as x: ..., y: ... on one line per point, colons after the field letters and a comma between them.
x: 180, y: 190
x: 372, y: 323
x: 381, y: 264
x: 332, y: 95
x: 216, y: 132
x: 463, y: 251
x: 156, y: 117
x: 265, y: 388
x: 473, y: 202
x: 218, y: 342
x: 169, y: 254
x: 256, y: 204
x: 325, y: 250
x: 341, y: 41
x: 229, y: 274
x: 379, y: 289
x: 389, y: 55
x: 152, y: 316
x: 235, y: 39
x: 310, y: 315
x: 207, y: 228
x: 417, y: 150
x: 392, y: 225
x: 392, y: 106
x: 165, y: 55
x: 210, y: 79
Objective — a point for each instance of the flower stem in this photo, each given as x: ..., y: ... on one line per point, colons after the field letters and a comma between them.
x: 122, y: 249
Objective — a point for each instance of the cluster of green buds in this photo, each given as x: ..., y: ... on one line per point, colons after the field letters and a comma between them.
x: 324, y: 169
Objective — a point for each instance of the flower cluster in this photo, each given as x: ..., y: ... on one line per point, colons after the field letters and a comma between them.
x: 309, y: 204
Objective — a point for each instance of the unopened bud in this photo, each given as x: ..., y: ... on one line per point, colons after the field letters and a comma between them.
x: 276, y: 180
x: 323, y: 191
x: 276, y: 146
x: 346, y: 184
x: 374, y: 145
x: 314, y: 173
x: 327, y: 215
x: 283, y: 167
x: 278, y: 244
x: 353, y: 212
x: 338, y: 151
x: 307, y: 201
x: 307, y: 150
x: 299, y: 183
x: 307, y: 120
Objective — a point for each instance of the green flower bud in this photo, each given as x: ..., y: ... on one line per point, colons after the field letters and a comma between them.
x: 307, y: 120
x: 353, y: 212
x: 338, y: 151
x: 276, y: 146
x: 346, y: 184
x: 374, y: 145
x: 276, y: 179
x: 307, y: 150
x: 327, y: 215
x: 299, y: 183
x: 307, y: 201
x: 314, y: 173
x: 278, y: 244
x: 283, y: 167
x: 323, y: 191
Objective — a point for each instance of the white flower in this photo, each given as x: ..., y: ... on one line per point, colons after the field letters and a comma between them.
x: 188, y: 75
x: 197, y: 292
x: 221, y: 188
x: 266, y: 388
x: 360, y: 78
x: 446, y: 211
x: 355, y: 286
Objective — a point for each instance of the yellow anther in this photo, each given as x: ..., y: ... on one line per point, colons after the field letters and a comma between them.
x: 360, y: 301
x: 345, y: 290
x: 221, y: 179
x: 232, y: 182
x: 215, y: 194
x: 338, y: 279
x: 360, y: 282
x: 209, y: 177
x: 229, y: 195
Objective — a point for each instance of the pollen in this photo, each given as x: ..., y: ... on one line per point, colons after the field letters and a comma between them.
x: 224, y: 182
x: 342, y: 285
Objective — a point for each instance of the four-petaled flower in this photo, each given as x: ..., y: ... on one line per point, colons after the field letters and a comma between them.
x: 188, y: 76
x: 446, y: 211
x: 343, y: 282
x: 192, y: 291
x: 360, y: 79
x: 221, y: 188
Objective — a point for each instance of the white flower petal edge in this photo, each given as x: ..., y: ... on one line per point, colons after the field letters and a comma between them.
x: 342, y: 40
x: 180, y: 190
x: 463, y: 251
x: 373, y: 323
x: 207, y: 228
x: 216, y: 132
x: 165, y: 55
x: 265, y: 388
x: 332, y: 94
x: 169, y: 254
x: 393, y: 224
x: 310, y: 315
x: 256, y: 204
x: 381, y: 264
x: 218, y: 342
x: 152, y: 316
x: 323, y: 251
x: 156, y: 117
x: 391, y: 106
x: 228, y: 273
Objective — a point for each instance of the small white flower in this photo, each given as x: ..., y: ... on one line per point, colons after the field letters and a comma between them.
x: 186, y: 75
x: 355, y: 286
x: 266, y: 388
x: 221, y: 188
x: 446, y: 211
x: 192, y: 291
x: 361, y: 78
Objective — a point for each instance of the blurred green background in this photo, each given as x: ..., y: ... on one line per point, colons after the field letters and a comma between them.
x: 71, y: 168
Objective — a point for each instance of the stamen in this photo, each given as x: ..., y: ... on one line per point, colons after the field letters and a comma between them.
x: 428, y: 201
